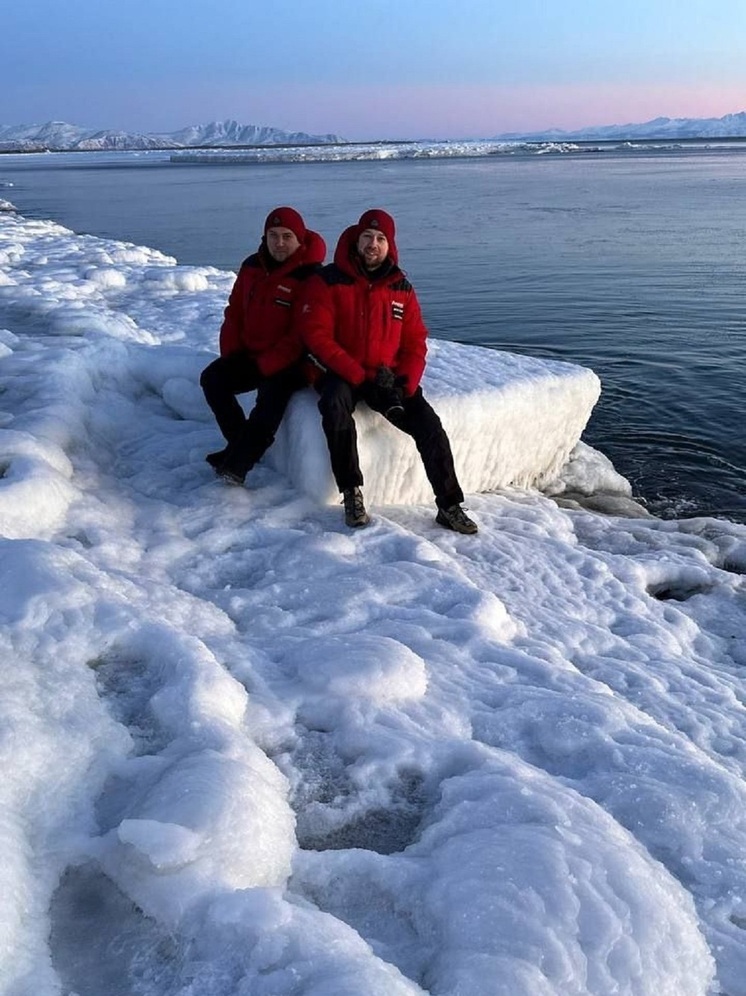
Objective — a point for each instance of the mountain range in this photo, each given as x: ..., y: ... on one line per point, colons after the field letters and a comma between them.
x: 58, y: 135
x: 729, y: 126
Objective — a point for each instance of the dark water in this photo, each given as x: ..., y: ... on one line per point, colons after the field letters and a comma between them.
x: 631, y: 263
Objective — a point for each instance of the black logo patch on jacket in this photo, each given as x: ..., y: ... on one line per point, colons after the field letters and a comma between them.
x: 397, y: 310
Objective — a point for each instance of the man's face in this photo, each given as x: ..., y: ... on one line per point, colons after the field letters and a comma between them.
x: 281, y: 243
x: 373, y: 247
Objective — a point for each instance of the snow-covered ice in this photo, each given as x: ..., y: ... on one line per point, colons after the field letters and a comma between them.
x: 366, y: 151
x: 248, y: 751
x: 512, y: 420
x: 421, y: 149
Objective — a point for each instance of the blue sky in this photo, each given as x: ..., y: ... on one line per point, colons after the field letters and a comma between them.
x: 380, y: 69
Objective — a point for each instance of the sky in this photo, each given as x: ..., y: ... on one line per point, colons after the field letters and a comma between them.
x: 384, y: 69
x: 247, y: 751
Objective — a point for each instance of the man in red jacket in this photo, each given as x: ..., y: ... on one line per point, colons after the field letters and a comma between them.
x: 260, y: 348
x: 362, y: 324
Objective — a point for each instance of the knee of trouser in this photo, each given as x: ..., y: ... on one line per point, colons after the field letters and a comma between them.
x: 336, y: 405
x: 423, y: 414
x: 210, y: 377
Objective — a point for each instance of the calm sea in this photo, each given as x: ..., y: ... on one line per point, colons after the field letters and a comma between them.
x: 632, y: 262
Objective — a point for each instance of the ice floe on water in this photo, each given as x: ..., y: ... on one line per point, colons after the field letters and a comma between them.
x: 248, y: 751
x: 422, y: 149
x: 367, y: 151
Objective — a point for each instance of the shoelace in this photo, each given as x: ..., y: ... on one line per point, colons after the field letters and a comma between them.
x: 459, y: 514
x: 355, y: 504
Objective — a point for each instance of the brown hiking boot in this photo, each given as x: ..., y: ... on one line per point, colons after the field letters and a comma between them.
x: 355, y: 514
x: 455, y: 518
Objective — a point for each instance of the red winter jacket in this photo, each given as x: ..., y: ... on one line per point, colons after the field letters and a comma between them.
x: 353, y: 324
x: 261, y: 312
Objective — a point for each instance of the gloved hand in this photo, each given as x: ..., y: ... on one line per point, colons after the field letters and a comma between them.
x: 389, y: 390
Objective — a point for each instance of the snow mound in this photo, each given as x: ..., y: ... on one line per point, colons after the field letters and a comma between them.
x: 512, y: 421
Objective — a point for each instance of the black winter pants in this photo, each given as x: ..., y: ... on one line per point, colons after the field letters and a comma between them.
x: 248, y: 438
x: 338, y: 401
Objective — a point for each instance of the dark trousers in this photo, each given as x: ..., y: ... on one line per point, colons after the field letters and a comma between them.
x: 248, y: 438
x: 337, y: 403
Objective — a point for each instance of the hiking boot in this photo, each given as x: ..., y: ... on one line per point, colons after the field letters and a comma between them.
x: 215, y: 459
x: 225, y: 473
x: 455, y: 518
x: 355, y: 514
x: 224, y: 468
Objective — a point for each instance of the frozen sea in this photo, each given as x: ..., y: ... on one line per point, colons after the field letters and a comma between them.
x: 628, y: 259
x: 249, y: 752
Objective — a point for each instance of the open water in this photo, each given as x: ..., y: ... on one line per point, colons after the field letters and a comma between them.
x: 630, y: 261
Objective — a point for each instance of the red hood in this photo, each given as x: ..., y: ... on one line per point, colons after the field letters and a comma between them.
x: 345, y: 252
x: 313, y: 248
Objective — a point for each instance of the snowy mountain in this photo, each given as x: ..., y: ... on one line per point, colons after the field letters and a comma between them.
x: 233, y: 133
x: 729, y: 126
x: 59, y: 135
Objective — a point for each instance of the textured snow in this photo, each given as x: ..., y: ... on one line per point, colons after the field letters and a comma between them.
x: 248, y: 751
x: 485, y: 399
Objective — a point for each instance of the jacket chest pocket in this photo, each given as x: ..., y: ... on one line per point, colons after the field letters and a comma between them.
x: 283, y: 296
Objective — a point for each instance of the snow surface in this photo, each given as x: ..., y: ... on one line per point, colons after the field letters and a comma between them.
x: 249, y: 752
x: 110, y: 147
x: 351, y: 152
x: 485, y: 400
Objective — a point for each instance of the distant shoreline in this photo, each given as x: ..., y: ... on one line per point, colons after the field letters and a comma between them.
x: 278, y: 146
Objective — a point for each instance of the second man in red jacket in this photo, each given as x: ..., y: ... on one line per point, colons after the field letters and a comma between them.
x: 362, y: 325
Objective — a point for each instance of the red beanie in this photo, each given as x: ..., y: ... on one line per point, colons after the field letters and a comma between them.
x: 380, y: 221
x: 286, y: 217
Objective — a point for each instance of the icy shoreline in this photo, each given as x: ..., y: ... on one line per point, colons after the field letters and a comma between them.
x: 248, y: 751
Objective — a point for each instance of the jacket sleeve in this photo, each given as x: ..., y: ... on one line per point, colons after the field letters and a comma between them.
x: 410, y: 359
x: 231, y: 337
x: 318, y: 320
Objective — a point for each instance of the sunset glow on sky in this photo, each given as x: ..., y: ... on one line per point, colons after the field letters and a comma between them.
x: 391, y: 70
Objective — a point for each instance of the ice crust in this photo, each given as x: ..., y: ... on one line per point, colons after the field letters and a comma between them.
x: 249, y: 752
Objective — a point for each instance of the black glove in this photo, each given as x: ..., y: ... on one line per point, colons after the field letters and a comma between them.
x: 389, y: 391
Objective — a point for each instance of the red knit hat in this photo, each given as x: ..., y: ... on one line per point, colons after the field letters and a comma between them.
x: 286, y: 217
x: 380, y: 221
